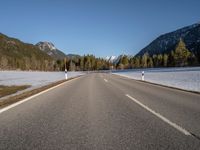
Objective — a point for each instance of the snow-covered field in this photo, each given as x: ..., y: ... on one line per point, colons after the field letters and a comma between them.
x: 183, y: 78
x: 35, y: 79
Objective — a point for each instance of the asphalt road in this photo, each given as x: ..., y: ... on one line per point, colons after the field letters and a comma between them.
x: 103, y: 111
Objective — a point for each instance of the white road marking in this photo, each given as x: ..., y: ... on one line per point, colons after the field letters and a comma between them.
x: 124, y: 76
x: 31, y: 97
x: 105, y: 80
x: 182, y: 130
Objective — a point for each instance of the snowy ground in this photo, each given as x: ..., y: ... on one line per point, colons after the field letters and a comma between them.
x: 35, y: 79
x: 183, y: 78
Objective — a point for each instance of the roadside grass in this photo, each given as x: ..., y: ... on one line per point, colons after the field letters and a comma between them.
x: 8, y: 90
x: 16, y: 98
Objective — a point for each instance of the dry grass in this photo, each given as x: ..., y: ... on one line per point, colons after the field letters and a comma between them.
x: 13, y: 99
x: 7, y: 90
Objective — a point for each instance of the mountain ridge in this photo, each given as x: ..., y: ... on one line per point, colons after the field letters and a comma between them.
x: 165, y: 43
x: 51, y: 50
x: 15, y: 54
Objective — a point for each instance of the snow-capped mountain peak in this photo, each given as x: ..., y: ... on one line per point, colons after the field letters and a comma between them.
x: 110, y: 58
x: 46, y: 45
x: 51, y: 50
x: 107, y: 58
x: 113, y: 58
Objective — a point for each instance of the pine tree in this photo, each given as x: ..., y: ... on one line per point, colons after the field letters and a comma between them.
x: 72, y: 66
x: 144, y: 60
x: 181, y: 54
x: 160, y: 60
x: 171, y: 62
x: 165, y: 60
x: 125, y: 62
x: 82, y: 63
x: 137, y: 62
x: 132, y: 62
x: 155, y: 60
x: 150, y: 62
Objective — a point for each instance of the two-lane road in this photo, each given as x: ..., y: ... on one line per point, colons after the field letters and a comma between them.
x: 104, y: 111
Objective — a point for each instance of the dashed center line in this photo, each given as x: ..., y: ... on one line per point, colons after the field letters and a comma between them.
x: 177, y: 127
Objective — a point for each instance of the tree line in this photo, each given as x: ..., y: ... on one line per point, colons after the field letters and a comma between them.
x: 16, y: 55
x: 26, y: 57
x: 179, y: 57
x: 82, y: 63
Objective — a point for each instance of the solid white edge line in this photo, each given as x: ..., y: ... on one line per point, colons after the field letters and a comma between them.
x: 121, y: 75
x: 105, y: 80
x: 33, y: 96
x: 179, y: 128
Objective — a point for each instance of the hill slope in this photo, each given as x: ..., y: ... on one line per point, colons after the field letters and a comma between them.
x: 15, y: 54
x: 51, y: 50
x: 167, y: 42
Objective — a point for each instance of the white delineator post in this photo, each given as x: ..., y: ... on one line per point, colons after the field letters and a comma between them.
x: 66, y: 74
x: 142, y: 75
x: 65, y: 61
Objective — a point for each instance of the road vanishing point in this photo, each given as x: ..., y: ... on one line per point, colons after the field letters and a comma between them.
x: 102, y: 111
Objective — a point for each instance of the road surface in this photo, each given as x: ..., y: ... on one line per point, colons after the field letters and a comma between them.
x: 103, y: 111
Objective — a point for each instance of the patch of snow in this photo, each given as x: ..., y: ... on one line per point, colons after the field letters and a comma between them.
x: 183, y: 78
x: 44, y: 45
x: 107, y: 58
x: 35, y: 79
x: 111, y: 58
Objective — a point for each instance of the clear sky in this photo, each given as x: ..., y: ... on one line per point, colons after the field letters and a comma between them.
x: 99, y: 27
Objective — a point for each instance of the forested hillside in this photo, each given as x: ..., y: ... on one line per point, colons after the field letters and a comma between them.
x: 15, y: 54
x: 165, y: 43
x: 180, y: 56
x: 51, y: 50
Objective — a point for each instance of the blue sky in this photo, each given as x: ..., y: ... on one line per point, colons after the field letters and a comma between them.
x: 99, y: 27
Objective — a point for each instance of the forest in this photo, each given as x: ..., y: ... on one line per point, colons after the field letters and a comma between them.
x: 19, y: 56
x: 180, y: 57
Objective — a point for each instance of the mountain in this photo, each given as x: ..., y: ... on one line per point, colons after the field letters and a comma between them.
x: 51, y: 50
x: 71, y: 56
x: 117, y: 59
x: 15, y: 54
x: 107, y: 58
x: 167, y: 42
x: 111, y: 59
